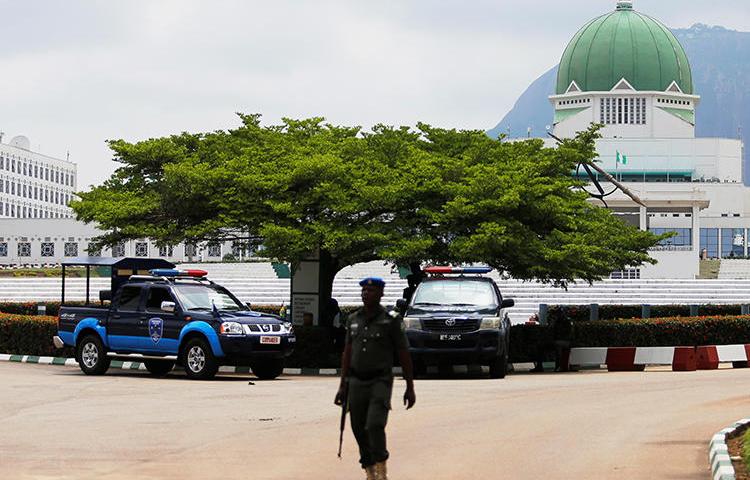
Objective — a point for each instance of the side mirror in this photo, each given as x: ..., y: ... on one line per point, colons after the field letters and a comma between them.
x: 105, y: 295
x: 508, y: 303
x: 401, y: 305
x: 248, y: 305
x: 167, y: 307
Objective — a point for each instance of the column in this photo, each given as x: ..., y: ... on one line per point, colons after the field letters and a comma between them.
x: 643, y: 216
x: 696, y: 229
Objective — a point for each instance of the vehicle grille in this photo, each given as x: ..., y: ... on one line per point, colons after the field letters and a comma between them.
x: 461, y: 326
x: 264, y: 328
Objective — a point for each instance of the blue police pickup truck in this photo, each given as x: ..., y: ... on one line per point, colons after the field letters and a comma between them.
x: 164, y: 316
x: 456, y: 316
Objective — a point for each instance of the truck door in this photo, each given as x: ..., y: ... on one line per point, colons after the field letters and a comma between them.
x: 122, y: 325
x: 162, y: 328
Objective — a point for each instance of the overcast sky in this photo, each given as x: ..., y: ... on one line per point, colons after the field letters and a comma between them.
x: 76, y: 73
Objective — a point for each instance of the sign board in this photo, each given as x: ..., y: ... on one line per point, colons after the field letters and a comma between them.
x: 305, y: 304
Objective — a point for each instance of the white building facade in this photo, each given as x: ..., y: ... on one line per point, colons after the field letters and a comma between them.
x: 46, y: 241
x: 33, y: 185
x: 627, y: 72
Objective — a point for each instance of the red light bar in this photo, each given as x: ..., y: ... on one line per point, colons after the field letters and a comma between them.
x: 196, y: 273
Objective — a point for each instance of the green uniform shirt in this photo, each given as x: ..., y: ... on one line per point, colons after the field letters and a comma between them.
x: 374, y: 340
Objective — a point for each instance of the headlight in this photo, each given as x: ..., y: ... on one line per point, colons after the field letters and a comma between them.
x: 231, y: 328
x: 490, y: 323
x: 287, y: 327
x: 412, y: 323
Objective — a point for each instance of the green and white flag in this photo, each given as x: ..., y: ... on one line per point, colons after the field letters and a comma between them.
x: 621, y: 159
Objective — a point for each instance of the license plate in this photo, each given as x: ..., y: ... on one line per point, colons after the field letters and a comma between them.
x: 450, y: 337
x: 270, y: 340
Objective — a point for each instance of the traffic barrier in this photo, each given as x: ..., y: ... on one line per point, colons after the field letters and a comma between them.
x: 708, y: 357
x: 622, y: 359
x: 682, y: 359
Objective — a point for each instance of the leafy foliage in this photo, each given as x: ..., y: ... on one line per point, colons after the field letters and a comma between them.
x: 663, y: 332
x: 580, y: 313
x: 397, y: 194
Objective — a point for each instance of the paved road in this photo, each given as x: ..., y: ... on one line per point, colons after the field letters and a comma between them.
x: 58, y: 423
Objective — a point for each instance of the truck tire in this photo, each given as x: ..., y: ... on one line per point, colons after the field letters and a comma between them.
x: 199, y: 360
x: 499, y: 366
x: 158, y: 368
x: 91, y: 356
x: 268, y: 369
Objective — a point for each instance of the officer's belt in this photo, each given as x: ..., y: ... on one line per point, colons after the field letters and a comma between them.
x: 364, y: 376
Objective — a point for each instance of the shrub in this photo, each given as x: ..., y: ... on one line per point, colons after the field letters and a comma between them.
x: 29, y: 335
x: 663, y: 332
x: 581, y: 313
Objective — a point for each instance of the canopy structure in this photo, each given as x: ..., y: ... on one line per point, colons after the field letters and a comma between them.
x: 122, y: 268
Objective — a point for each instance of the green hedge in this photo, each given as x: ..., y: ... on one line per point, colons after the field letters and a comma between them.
x: 30, y: 335
x: 662, y: 332
x: 581, y: 313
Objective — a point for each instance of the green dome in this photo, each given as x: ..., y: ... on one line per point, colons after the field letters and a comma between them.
x: 624, y: 44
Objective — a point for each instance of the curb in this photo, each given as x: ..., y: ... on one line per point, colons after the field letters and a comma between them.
x: 718, y: 452
x: 316, y: 372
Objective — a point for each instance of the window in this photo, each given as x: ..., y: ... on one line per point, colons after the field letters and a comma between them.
x: 214, y: 250
x: 24, y: 249
x: 622, y: 111
x: 684, y: 237
x: 3, y: 249
x: 449, y: 291
x: 627, y: 274
x: 732, y: 242
x: 48, y: 249
x: 71, y: 249
x: 141, y: 249
x: 118, y: 250
x: 190, y: 250
x: 129, y: 298
x: 155, y: 297
x: 710, y: 242
x: 239, y: 250
x: 166, y: 251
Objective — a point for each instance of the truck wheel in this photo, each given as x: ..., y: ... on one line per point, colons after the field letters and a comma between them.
x: 199, y: 360
x: 499, y: 366
x: 268, y: 369
x: 91, y: 356
x: 158, y: 368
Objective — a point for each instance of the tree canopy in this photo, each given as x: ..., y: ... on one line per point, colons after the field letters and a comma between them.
x: 399, y: 194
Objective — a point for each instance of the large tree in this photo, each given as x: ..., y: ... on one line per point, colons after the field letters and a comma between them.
x: 399, y: 194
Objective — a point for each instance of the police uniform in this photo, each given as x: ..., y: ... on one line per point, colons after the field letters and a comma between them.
x: 375, y: 340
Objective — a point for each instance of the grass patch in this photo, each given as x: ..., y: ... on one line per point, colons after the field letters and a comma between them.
x: 709, y: 269
x: 746, y: 448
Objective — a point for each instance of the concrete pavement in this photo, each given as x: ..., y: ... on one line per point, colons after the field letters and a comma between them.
x: 58, y: 423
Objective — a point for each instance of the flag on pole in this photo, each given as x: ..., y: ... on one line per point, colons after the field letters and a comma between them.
x: 621, y: 159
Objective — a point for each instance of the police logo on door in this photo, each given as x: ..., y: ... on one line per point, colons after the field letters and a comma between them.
x: 156, y: 329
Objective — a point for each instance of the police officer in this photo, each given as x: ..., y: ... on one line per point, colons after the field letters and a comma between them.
x: 373, y: 337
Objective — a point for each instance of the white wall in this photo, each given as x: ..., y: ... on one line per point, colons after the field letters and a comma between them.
x: 672, y: 264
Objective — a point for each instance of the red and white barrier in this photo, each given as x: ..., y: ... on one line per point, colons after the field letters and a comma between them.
x: 685, y: 359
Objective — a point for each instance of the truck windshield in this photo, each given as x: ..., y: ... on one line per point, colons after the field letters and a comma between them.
x: 199, y: 297
x: 454, y: 292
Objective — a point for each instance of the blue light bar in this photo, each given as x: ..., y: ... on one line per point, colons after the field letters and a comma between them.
x: 164, y: 272
x: 476, y: 270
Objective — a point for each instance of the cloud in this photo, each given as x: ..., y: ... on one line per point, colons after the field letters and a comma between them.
x: 81, y: 72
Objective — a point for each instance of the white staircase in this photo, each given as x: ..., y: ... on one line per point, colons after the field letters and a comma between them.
x: 257, y: 283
